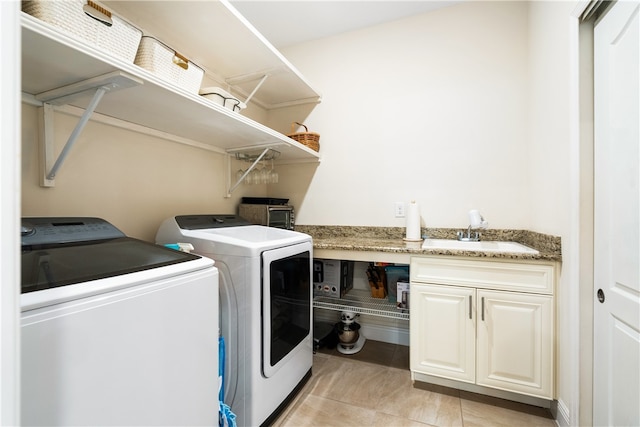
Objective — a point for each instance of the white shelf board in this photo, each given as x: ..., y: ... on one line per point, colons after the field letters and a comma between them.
x: 215, y: 36
x: 51, y: 59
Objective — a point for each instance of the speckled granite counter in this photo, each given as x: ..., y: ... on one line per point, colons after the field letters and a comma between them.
x: 390, y: 240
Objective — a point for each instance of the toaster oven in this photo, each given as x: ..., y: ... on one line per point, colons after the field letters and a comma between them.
x: 280, y: 216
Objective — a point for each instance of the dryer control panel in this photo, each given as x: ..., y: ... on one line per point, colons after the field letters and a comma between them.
x: 199, y: 222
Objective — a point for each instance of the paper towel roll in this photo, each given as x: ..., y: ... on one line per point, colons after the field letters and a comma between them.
x: 413, y: 222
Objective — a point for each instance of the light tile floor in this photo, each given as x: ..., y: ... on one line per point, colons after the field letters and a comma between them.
x: 374, y: 388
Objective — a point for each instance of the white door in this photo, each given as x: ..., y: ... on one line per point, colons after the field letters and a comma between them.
x: 515, y: 342
x: 617, y: 218
x: 443, y: 332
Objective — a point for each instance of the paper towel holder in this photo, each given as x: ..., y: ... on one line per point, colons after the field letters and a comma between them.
x: 413, y: 229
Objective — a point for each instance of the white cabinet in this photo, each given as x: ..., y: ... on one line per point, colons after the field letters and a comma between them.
x: 442, y: 331
x: 515, y: 342
x: 502, y: 339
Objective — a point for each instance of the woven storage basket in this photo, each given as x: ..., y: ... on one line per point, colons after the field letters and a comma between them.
x: 158, y: 58
x: 120, y: 39
x: 309, y: 139
x: 220, y: 96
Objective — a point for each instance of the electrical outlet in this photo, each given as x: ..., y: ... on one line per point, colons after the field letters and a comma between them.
x: 398, y: 209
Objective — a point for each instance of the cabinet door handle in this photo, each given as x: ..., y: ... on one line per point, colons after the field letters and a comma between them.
x: 470, y: 306
x: 482, y: 308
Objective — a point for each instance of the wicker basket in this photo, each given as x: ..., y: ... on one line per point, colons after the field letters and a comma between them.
x: 219, y: 96
x: 90, y: 22
x: 309, y: 139
x: 169, y: 65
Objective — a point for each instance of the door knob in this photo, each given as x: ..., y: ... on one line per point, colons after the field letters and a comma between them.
x: 600, y: 295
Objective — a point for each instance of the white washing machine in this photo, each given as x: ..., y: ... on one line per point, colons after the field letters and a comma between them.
x: 265, y: 308
x: 115, y: 330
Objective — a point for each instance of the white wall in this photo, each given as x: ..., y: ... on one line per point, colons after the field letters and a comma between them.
x: 549, y: 114
x: 553, y: 34
x: 431, y: 108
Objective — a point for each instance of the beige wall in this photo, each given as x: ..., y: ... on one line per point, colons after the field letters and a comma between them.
x: 554, y: 177
x: 464, y: 107
x: 132, y: 180
x: 549, y: 114
x: 431, y: 108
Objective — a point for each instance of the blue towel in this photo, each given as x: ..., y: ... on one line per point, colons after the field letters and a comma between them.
x: 221, y: 365
x: 226, y: 417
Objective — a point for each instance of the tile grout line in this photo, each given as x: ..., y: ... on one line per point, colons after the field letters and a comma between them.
x: 327, y: 363
x: 461, y: 411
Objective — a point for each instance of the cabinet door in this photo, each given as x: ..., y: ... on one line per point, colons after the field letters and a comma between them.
x: 442, y: 331
x: 515, y: 342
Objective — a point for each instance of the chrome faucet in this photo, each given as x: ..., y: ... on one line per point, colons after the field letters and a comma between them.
x: 476, y: 221
x: 468, y: 237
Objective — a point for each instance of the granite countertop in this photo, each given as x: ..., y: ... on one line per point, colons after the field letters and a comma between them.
x: 390, y: 239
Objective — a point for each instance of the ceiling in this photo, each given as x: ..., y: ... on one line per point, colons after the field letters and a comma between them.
x: 286, y: 23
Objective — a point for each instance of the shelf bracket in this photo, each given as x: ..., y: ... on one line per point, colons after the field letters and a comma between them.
x: 261, y: 76
x: 99, y: 86
x: 262, y: 80
x: 244, y: 175
x: 249, y: 169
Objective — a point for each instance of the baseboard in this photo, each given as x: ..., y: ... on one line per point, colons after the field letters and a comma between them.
x: 371, y: 327
x: 562, y: 415
x: 487, y: 391
x: 385, y: 334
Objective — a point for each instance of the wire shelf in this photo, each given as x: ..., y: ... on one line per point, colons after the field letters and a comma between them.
x: 362, y: 302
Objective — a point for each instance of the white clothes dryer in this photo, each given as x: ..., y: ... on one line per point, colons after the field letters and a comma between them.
x: 265, y: 308
x: 115, y: 330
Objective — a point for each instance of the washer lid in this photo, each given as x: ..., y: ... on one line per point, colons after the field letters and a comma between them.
x: 60, y: 251
x: 46, y: 266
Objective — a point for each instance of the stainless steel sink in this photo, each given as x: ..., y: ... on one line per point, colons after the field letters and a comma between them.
x: 482, y: 246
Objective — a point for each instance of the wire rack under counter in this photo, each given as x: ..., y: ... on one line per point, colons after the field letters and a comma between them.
x: 362, y: 302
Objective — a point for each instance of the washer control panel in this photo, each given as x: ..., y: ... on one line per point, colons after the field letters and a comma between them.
x: 60, y: 230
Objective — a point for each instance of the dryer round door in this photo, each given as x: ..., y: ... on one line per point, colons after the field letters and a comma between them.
x: 286, y: 304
